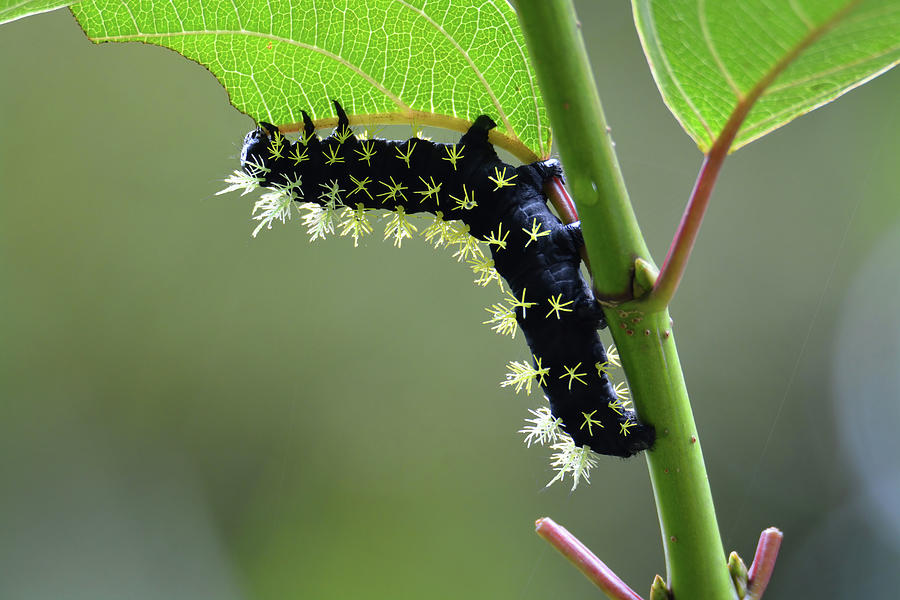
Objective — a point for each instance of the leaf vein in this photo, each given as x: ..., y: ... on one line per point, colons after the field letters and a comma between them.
x: 340, y: 60
x: 500, y: 112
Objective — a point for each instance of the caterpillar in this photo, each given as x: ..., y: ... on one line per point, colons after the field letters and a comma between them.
x: 466, y: 184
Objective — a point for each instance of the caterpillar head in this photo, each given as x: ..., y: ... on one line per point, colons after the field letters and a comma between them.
x: 256, y: 155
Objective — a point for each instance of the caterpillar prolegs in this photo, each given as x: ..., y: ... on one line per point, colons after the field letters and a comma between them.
x: 342, y: 177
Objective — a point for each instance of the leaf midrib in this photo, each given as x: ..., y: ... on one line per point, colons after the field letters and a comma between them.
x: 746, y: 103
x: 14, y: 7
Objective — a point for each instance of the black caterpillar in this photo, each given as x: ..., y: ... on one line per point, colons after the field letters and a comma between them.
x: 532, y: 250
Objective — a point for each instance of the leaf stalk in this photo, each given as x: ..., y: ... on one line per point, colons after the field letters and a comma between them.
x: 686, y: 235
x: 764, y: 562
x: 586, y: 561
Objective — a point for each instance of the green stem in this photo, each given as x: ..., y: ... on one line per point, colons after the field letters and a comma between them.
x: 695, y: 558
x: 584, y: 143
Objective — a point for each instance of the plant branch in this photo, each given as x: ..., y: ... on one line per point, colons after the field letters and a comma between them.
x: 695, y: 558
x: 586, y: 561
x: 584, y: 143
x: 565, y: 206
x: 764, y: 562
x: 561, y: 200
x: 686, y: 235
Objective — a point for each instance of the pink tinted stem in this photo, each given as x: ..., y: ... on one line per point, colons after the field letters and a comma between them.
x: 763, y: 562
x: 561, y: 200
x: 586, y: 561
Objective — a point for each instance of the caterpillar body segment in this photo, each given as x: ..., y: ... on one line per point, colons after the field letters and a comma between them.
x: 535, y: 253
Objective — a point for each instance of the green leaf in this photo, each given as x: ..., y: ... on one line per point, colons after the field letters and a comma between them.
x: 10, y: 10
x: 386, y: 61
x: 714, y: 59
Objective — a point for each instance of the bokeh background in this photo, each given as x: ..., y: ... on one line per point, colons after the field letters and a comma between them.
x: 171, y: 389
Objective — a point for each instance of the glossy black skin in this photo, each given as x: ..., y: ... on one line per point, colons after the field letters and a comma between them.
x: 539, y: 268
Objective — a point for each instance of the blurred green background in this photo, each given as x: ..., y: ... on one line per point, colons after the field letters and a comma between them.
x: 170, y: 388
